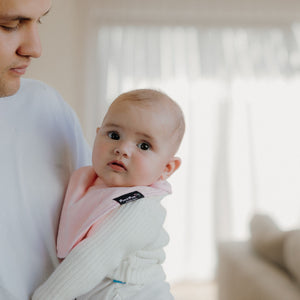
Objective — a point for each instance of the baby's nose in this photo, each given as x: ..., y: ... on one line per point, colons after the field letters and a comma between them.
x: 122, y: 150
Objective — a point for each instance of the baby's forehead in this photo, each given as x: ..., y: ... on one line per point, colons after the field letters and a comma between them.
x: 159, y: 104
x: 146, y: 116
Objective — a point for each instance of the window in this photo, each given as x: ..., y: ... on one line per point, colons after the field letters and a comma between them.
x: 239, y: 88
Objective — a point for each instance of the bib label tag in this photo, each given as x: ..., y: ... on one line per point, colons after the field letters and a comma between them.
x: 133, y: 196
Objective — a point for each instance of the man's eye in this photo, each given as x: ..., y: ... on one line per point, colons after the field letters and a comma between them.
x: 144, y: 146
x: 10, y: 28
x: 113, y: 135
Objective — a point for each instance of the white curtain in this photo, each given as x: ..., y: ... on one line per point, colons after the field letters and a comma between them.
x: 239, y: 88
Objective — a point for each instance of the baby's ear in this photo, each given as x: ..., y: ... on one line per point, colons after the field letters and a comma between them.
x: 172, y: 165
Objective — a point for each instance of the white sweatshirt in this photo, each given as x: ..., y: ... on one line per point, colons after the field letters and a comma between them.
x: 41, y: 143
x: 129, y: 248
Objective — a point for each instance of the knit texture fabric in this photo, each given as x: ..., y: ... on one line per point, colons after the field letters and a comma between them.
x: 89, y: 201
x: 129, y: 248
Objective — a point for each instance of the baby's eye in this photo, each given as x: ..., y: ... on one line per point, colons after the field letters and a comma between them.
x: 113, y: 135
x: 144, y: 146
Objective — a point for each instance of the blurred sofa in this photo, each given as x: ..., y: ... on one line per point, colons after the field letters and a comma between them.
x: 267, y: 267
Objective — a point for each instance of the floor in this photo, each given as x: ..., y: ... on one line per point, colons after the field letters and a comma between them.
x: 194, y: 291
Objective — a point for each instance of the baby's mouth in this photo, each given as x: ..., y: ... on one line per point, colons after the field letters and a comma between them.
x: 117, y: 165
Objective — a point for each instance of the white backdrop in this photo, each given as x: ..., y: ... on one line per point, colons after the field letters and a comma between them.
x: 239, y: 87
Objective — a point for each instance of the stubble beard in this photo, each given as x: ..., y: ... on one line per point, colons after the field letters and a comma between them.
x: 8, y: 88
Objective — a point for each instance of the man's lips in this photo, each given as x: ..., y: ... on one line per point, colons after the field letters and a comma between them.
x: 21, y: 70
x: 117, y: 165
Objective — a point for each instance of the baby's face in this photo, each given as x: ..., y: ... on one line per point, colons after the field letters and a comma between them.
x: 133, y: 145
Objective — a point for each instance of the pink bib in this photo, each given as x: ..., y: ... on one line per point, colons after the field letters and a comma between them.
x: 88, y: 201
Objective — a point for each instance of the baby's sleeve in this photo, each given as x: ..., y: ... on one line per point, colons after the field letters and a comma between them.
x: 129, y: 228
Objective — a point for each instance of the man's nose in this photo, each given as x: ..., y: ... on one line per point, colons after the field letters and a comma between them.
x: 30, y: 44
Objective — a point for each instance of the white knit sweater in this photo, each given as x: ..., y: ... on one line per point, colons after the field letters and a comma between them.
x: 129, y: 248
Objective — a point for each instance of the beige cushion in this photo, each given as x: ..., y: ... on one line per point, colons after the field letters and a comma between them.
x: 267, y: 239
x: 243, y: 275
x: 291, y: 253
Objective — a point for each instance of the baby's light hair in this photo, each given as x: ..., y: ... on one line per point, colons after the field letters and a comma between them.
x: 151, y: 96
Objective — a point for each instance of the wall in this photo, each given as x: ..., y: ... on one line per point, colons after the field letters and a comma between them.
x: 61, y: 62
x: 197, y: 11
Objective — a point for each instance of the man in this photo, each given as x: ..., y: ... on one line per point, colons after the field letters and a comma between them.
x: 41, y: 143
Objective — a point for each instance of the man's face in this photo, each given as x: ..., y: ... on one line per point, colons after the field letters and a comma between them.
x: 19, y: 39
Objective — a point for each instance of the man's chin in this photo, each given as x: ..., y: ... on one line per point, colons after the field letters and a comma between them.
x: 9, y: 88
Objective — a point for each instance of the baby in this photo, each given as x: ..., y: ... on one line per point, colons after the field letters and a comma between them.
x: 111, y: 234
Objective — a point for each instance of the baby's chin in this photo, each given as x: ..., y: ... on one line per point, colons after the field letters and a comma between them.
x: 119, y: 185
x: 121, y: 181
x: 116, y: 183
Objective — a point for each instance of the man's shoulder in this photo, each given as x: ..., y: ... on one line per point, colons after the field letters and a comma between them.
x: 42, y: 95
x: 34, y: 85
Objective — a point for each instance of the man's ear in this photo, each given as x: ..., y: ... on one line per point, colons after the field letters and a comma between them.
x: 172, y: 165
